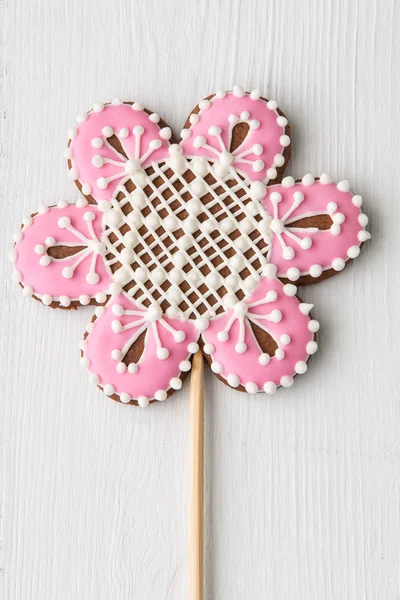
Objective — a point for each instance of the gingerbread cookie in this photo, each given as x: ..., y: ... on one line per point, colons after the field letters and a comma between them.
x: 201, y: 243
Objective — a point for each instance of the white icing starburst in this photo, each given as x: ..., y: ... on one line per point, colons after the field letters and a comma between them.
x: 146, y: 320
x: 281, y: 225
x: 226, y: 158
x: 129, y: 163
x: 92, y: 246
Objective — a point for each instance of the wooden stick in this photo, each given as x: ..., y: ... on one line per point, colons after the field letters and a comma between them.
x: 196, y: 515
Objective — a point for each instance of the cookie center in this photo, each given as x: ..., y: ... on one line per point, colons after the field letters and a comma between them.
x: 187, y: 239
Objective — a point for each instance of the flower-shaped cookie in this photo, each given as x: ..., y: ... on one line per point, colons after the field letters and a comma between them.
x: 187, y: 245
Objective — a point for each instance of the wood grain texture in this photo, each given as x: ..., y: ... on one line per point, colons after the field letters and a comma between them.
x: 196, y: 497
x: 303, y: 488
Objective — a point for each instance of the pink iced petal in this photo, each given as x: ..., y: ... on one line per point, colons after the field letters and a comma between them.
x: 169, y: 344
x: 209, y: 135
x: 299, y: 251
x: 96, y: 162
x: 240, y: 360
x: 81, y: 276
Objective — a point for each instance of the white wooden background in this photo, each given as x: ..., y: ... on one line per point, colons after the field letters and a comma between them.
x: 303, y: 488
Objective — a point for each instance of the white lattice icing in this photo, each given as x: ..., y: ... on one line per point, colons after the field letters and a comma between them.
x: 219, y: 214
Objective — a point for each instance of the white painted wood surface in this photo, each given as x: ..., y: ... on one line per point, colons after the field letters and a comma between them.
x: 303, y: 489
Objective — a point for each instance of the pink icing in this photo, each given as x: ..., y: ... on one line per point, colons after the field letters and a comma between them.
x: 118, y: 118
x: 49, y: 279
x: 267, y: 134
x: 325, y: 247
x: 153, y: 374
x: 246, y: 365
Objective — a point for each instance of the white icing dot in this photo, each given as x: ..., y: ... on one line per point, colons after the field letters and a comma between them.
x: 39, y: 249
x: 241, y: 347
x: 125, y: 398
x: 254, y: 124
x: 264, y: 359
x: 325, y: 179
x: 343, y: 186
x: 62, y: 204
x: 220, y: 94
x: 136, y: 106
x: 233, y: 380
x: 133, y: 368
x: 331, y: 207
x: 257, y: 190
x: 17, y: 276
x: 97, y: 142
x: 258, y: 166
x: 287, y: 381
x: 251, y: 388
x: 45, y: 261
x: 72, y: 133
x: 284, y: 140
x: 98, y: 107
x: 143, y: 401
x: 293, y: 273
x: 288, y: 252
x: 94, y: 378
x: 363, y: 220
x: 68, y: 153
x: 216, y: 367
x: 162, y: 353
x: 185, y: 365
x: 165, y: 133
x: 121, y: 368
x: 339, y: 218
x: 335, y: 229
x: 65, y: 300
x: 285, y: 339
x: 363, y: 236
x: 311, y: 347
x: 315, y: 270
x: 47, y: 299
x: 124, y: 132
x: 154, y: 118
x: 85, y: 362
x: 222, y: 336
x: 160, y: 395
x: 338, y: 264
x: 272, y: 104
x: 353, y: 251
x: 201, y: 323
x: 176, y: 383
x: 300, y: 367
x: 84, y: 299
x: 67, y: 272
x: 305, y: 308
x: 193, y: 347
x: 238, y: 91
x: 185, y: 134
x: 279, y: 354
x: 272, y: 173
x: 27, y: 291
x: 313, y: 325
x: 308, y: 179
x: 357, y: 201
x: 204, y: 104
x: 109, y: 389
x: 209, y: 348
x: 107, y: 131
x: 64, y: 222
x: 281, y: 121
x: 270, y: 387
x: 194, y: 118
x: 279, y: 160
x: 43, y: 209
x: 255, y: 94
x: 116, y: 354
x: 287, y: 182
x: 269, y: 271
